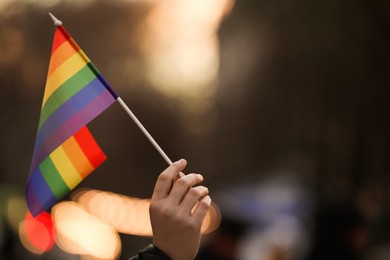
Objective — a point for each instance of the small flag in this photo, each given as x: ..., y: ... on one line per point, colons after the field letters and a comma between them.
x: 65, y: 152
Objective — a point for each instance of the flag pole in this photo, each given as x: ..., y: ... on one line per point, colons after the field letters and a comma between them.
x: 58, y: 23
x: 143, y: 129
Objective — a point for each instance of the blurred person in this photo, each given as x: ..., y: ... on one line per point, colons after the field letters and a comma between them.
x: 261, y: 220
x: 176, y: 219
x: 341, y: 233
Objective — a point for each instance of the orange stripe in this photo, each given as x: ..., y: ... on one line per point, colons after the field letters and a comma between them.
x: 90, y: 148
x: 59, y: 39
x: 77, y: 157
x: 63, y: 53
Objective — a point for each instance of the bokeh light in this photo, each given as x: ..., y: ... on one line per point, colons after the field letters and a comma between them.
x: 40, y: 231
x: 130, y: 215
x: 15, y: 211
x: 81, y: 233
x: 126, y: 214
x: 212, y: 219
x: 26, y: 242
x: 12, y: 44
x: 180, y: 48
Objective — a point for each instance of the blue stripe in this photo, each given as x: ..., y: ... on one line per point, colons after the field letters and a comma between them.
x: 103, y: 80
x: 42, y: 191
x: 70, y: 127
x: 68, y: 109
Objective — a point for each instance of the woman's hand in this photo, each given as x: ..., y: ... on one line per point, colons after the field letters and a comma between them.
x: 177, y: 210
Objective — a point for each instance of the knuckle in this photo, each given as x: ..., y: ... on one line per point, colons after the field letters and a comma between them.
x: 182, y: 182
x: 163, y: 177
x: 194, y: 192
x: 192, y: 225
x: 203, y: 204
x: 176, y: 167
x: 166, y: 213
x: 160, y: 210
x: 198, y: 191
x: 184, y: 221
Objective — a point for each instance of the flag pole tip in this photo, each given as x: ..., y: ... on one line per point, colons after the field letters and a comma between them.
x: 57, y: 22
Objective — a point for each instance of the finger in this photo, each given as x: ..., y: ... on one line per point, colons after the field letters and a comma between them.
x: 201, y: 210
x: 164, y: 181
x: 192, y: 197
x: 182, y: 185
x: 179, y: 176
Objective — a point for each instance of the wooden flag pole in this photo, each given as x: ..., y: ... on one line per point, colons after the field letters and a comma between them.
x: 58, y: 23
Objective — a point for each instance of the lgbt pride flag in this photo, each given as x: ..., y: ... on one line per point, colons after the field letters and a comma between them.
x: 65, y: 152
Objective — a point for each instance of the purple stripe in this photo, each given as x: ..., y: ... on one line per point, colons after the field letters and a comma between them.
x: 33, y: 204
x: 71, y: 126
x: 72, y: 106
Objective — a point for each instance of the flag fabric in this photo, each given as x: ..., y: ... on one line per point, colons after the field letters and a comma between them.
x: 65, y: 152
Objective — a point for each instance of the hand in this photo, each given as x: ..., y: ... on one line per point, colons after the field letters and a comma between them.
x: 176, y: 229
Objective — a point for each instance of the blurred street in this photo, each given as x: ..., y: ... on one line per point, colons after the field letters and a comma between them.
x: 283, y: 106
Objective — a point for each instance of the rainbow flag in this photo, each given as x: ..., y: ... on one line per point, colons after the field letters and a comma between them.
x: 65, y: 152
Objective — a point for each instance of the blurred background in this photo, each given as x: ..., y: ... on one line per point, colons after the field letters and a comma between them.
x: 283, y: 106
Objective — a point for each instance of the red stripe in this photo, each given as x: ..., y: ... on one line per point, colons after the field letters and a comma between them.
x: 59, y: 38
x: 61, y: 35
x: 70, y: 39
x: 89, y: 146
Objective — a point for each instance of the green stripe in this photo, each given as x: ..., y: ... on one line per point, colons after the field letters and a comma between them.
x: 53, y: 178
x: 68, y: 89
x: 93, y: 68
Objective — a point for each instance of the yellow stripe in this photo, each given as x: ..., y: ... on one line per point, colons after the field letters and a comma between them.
x: 60, y: 55
x: 70, y: 67
x: 84, y: 56
x: 77, y: 156
x: 65, y: 167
